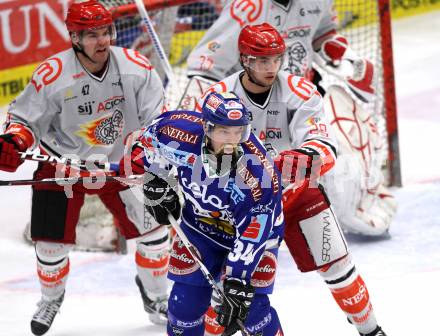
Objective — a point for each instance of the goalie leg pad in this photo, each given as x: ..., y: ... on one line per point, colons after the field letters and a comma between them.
x: 312, y: 232
x: 54, y: 216
x: 186, y: 308
x: 52, y: 268
x: 152, y: 258
x: 350, y: 293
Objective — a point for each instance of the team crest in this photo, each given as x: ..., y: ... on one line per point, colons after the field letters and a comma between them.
x: 104, y: 131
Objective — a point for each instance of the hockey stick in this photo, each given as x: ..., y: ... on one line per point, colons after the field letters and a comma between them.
x: 148, y: 25
x: 131, y: 179
x: 77, y: 163
x: 199, y: 80
x: 208, y: 276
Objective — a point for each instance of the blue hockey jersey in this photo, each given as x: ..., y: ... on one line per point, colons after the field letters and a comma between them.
x: 239, y: 209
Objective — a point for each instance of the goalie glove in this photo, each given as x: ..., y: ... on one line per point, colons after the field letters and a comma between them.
x: 333, y: 49
x: 356, y: 72
x: 161, y: 199
x: 235, y: 305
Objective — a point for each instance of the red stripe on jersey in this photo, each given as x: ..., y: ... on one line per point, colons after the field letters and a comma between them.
x: 327, y: 155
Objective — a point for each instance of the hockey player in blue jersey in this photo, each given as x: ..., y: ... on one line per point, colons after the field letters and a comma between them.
x: 231, y: 213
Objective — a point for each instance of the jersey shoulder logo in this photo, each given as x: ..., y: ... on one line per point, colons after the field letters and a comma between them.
x: 137, y: 58
x: 46, y: 73
x: 246, y: 11
x: 301, y: 87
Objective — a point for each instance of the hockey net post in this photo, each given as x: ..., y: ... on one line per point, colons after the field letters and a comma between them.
x: 395, y: 178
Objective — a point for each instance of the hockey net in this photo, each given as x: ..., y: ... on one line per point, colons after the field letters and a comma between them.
x: 180, y: 24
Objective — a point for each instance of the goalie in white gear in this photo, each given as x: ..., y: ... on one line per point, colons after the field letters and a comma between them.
x: 84, y: 102
x: 288, y: 116
x: 309, y: 29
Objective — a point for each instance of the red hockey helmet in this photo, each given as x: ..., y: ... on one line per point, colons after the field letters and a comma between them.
x: 87, y: 15
x: 261, y: 40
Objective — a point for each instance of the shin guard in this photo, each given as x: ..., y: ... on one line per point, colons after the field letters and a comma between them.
x: 52, y: 268
x: 350, y: 293
x: 152, y: 257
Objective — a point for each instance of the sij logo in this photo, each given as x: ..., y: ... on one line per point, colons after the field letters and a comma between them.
x: 86, y: 109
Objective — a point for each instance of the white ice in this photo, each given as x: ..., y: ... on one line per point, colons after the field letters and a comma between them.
x: 402, y: 273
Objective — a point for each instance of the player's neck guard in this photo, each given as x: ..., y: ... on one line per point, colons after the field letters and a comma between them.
x: 218, y: 165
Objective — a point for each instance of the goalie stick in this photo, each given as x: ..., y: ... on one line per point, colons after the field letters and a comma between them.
x: 208, y: 276
x: 148, y: 25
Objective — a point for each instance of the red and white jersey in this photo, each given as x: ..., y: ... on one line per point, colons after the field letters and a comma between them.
x: 300, y: 23
x: 72, y: 112
x: 291, y: 117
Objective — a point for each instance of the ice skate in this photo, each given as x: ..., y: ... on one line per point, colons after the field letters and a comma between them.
x: 45, y: 314
x: 156, y: 309
x: 376, y: 332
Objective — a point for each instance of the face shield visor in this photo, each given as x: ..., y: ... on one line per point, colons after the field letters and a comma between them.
x: 270, y: 64
x: 93, y: 36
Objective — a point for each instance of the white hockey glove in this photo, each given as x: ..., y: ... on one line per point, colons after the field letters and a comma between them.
x: 336, y: 57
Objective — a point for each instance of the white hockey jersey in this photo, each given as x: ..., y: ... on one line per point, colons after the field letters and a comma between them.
x: 300, y: 23
x: 291, y: 117
x: 72, y: 112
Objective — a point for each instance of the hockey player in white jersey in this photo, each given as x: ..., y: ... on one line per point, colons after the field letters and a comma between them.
x: 85, y: 102
x: 288, y: 116
x: 309, y: 29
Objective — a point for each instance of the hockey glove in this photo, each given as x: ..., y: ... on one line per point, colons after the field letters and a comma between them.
x: 299, y: 166
x: 161, y: 200
x: 10, y: 146
x: 235, y: 305
x: 132, y: 163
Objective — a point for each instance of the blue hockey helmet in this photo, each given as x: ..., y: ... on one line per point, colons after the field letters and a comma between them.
x: 226, y: 109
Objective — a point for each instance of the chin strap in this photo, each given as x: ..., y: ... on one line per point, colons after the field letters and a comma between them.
x: 78, y: 49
